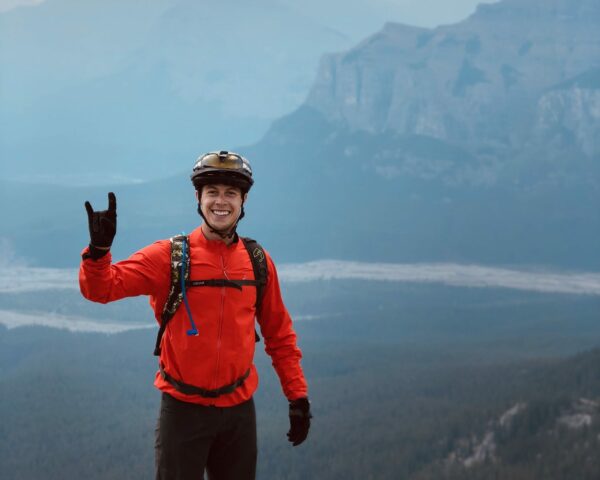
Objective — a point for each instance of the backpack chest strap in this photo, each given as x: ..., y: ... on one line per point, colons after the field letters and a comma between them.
x: 220, y: 282
x: 180, y: 272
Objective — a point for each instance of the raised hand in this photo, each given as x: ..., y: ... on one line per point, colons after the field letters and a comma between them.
x: 103, y: 223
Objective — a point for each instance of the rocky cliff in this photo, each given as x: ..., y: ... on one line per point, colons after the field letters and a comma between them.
x: 473, y: 141
x: 517, y: 77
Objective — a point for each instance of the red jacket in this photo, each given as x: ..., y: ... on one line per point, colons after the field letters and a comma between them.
x: 224, y: 349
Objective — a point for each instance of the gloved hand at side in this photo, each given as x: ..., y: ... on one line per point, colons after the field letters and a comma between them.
x: 299, y: 420
x: 103, y: 227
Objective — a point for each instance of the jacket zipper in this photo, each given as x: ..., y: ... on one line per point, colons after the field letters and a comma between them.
x: 216, y: 381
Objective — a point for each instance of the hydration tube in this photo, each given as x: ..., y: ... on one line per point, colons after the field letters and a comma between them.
x: 193, y: 330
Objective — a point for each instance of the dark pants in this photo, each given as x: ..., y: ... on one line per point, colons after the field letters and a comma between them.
x: 191, y: 438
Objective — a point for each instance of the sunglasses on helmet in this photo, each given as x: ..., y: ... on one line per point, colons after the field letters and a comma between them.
x: 223, y: 161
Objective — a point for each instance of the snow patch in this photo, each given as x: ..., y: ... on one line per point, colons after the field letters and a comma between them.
x: 473, y: 452
x: 444, y: 273
x: 482, y: 451
x: 582, y: 414
x: 507, y: 417
x: 20, y: 278
x: 27, y: 279
x: 12, y: 320
x: 7, y: 5
x: 576, y: 421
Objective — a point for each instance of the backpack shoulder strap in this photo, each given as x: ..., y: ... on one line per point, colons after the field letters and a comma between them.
x: 261, y: 272
x: 259, y: 265
x: 175, y: 292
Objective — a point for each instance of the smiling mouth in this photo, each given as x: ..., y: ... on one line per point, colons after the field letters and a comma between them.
x: 220, y: 213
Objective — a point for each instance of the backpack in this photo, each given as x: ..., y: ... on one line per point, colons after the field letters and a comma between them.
x: 180, y: 273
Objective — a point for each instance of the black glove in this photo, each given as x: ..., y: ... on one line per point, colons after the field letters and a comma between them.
x: 299, y: 420
x: 103, y: 224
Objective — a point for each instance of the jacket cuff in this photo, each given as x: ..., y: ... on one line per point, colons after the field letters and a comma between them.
x: 93, y: 253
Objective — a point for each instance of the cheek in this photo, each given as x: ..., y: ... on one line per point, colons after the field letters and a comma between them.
x: 204, y: 205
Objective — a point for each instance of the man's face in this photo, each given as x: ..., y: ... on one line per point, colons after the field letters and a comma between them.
x: 221, y: 205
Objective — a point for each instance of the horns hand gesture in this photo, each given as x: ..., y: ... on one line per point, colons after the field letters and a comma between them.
x: 103, y: 223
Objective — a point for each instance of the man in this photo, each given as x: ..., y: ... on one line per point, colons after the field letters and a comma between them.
x: 207, y: 340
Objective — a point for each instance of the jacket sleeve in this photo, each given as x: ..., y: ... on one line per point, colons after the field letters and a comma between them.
x: 280, y: 339
x: 146, y: 272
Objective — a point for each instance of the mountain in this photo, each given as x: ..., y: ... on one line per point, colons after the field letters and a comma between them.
x: 479, y: 82
x: 472, y: 142
x: 475, y: 141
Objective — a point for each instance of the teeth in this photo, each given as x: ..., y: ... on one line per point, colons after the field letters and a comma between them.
x: 220, y: 212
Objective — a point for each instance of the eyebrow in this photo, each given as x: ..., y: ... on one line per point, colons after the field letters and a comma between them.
x: 210, y: 188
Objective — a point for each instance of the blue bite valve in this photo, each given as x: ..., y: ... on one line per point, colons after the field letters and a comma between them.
x: 192, y: 331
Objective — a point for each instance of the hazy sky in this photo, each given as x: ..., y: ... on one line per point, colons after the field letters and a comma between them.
x: 58, y: 49
x: 6, y: 5
x: 426, y: 13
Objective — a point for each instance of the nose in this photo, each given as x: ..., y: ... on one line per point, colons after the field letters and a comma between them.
x: 221, y: 199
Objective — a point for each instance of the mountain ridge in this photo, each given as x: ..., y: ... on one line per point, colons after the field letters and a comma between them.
x: 498, y: 170
x: 413, y: 60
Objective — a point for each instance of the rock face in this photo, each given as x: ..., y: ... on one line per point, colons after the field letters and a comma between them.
x: 476, y: 141
x: 540, y: 421
x: 519, y: 74
x: 570, y: 113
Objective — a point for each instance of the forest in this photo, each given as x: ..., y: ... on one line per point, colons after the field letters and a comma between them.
x: 400, y: 388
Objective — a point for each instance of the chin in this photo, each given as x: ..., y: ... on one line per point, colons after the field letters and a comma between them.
x: 223, y: 227
x: 220, y: 224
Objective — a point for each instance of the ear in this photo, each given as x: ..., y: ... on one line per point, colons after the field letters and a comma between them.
x: 244, y: 198
x: 197, y: 196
